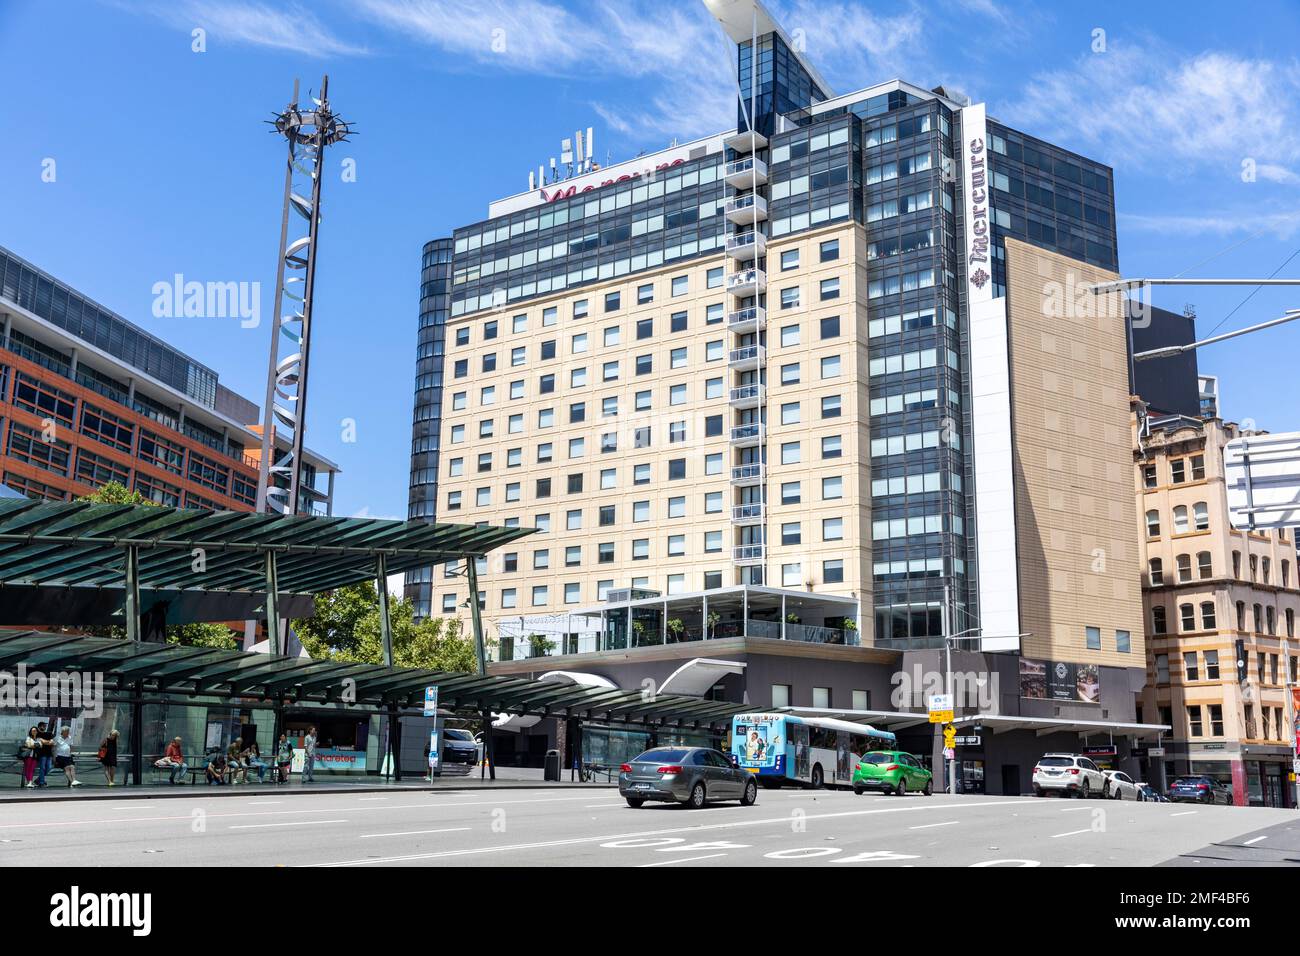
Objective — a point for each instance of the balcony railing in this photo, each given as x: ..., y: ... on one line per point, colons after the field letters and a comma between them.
x: 746, y: 320
x: 747, y: 554
x: 751, y: 433
x: 747, y: 514
x: 800, y: 632
x: 746, y: 172
x: 746, y: 474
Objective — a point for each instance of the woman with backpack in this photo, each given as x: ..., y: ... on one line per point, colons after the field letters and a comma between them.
x: 108, y: 756
x: 29, y: 751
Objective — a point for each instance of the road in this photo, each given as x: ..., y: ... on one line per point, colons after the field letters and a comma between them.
x: 596, y: 828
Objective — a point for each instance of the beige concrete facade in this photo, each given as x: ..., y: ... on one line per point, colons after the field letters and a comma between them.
x: 1077, y: 553
x: 1206, y: 586
x: 534, y: 395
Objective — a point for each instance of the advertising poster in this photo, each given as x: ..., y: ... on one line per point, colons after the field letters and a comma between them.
x: 758, y: 740
x: 1060, y: 680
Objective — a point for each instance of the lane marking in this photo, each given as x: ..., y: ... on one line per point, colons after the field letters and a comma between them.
x: 263, y: 803
x: 291, y: 823
x: 1185, y: 813
x: 373, y: 836
x: 364, y: 799
x: 350, y: 807
x: 687, y: 859
x: 1072, y: 833
x: 1256, y: 840
x: 785, y: 820
x: 1075, y: 809
x: 926, y: 826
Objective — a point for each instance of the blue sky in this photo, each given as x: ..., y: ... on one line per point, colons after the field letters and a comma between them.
x: 163, y: 164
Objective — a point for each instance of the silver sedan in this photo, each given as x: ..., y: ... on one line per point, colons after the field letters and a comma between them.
x: 687, y: 775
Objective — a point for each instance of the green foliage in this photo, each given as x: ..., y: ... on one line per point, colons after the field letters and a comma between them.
x: 346, y: 628
x: 197, y: 634
x: 115, y: 494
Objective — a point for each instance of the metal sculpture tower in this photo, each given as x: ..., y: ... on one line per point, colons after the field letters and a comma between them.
x: 308, y: 132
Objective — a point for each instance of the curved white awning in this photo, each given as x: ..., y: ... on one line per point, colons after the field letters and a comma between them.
x: 695, y: 677
x: 577, y: 677
x: 515, y: 723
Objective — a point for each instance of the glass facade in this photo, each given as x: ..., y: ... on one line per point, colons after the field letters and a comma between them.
x: 590, y: 237
x: 43, y: 295
x: 435, y: 305
x: 782, y: 85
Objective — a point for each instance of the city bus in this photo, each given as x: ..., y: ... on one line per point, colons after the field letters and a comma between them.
x: 782, y: 748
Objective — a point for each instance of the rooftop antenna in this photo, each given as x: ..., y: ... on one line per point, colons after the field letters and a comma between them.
x: 591, y: 138
x: 308, y: 131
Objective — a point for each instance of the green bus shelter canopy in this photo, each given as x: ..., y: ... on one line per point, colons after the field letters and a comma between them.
x: 84, y: 544
x: 166, y: 670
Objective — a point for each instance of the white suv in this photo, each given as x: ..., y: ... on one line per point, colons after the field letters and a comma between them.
x: 1069, y: 774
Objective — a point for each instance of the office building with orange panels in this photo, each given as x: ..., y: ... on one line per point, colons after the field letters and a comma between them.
x: 88, y: 398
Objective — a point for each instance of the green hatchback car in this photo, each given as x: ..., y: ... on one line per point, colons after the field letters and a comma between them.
x: 891, y: 771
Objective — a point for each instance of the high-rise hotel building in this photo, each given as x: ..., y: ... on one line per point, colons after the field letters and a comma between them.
x: 821, y: 379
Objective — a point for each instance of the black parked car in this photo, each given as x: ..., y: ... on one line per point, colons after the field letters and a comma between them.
x: 1199, y: 790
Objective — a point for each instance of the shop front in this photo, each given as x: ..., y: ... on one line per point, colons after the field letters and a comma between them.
x: 347, y: 743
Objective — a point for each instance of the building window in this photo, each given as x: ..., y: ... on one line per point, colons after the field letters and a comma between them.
x: 1190, y: 668
x: 1180, y: 519
x: 790, y: 297
x: 613, y: 300
x: 1187, y: 617
x: 830, y: 327
x: 789, y: 259
x: 1153, y: 524
x: 780, y: 695
x: 821, y: 697
x: 1123, y: 642
x: 645, y: 294
x: 830, y: 250
x: 830, y: 289
x: 833, y: 571
x: 1156, y: 572
x: 1158, y: 623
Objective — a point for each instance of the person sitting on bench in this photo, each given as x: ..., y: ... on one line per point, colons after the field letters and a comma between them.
x: 174, y: 761
x: 216, y: 768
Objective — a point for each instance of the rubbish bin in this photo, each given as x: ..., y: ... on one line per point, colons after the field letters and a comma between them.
x: 552, y: 766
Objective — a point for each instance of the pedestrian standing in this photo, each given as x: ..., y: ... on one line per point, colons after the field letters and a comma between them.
x: 63, y: 757
x: 309, y: 756
x: 108, y: 756
x: 284, y: 757
x: 29, y: 751
x: 44, y: 753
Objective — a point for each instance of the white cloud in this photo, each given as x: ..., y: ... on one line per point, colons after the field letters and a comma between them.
x: 1282, y: 225
x: 1148, y: 107
x: 288, y: 26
